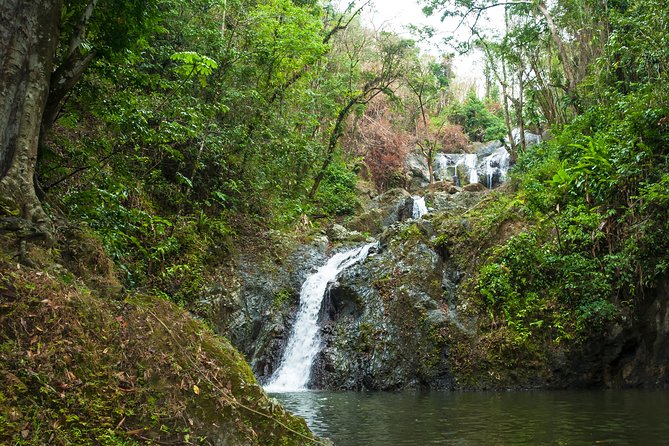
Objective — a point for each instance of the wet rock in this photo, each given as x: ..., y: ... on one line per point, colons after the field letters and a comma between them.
x: 443, y: 186
x: 487, y: 148
x: 454, y: 203
x: 385, y: 318
x: 386, y: 209
x: 338, y: 233
x: 257, y: 303
x: 474, y: 187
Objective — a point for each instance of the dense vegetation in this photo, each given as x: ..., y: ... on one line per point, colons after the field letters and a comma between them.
x: 179, y: 133
x: 591, y: 201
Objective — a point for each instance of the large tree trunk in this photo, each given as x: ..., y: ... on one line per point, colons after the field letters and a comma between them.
x: 29, y: 35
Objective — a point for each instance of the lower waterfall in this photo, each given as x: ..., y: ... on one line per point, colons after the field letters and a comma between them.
x: 304, y: 342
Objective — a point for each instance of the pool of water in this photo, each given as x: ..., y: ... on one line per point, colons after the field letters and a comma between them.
x: 630, y: 417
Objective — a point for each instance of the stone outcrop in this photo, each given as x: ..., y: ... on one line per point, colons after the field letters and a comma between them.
x: 400, y: 318
x: 385, y: 209
x: 256, y: 308
x: 386, y: 319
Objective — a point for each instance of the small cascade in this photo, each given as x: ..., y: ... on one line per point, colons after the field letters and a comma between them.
x: 495, y: 167
x: 304, y: 342
x: 450, y: 165
x: 489, y: 165
x: 419, y: 207
x: 470, y: 163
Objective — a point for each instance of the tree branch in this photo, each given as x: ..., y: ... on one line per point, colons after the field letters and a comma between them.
x: 78, y: 34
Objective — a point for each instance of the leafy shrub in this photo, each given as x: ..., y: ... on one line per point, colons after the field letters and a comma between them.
x: 337, y: 193
x: 479, y: 123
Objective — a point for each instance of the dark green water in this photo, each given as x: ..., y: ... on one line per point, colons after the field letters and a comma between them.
x: 510, y: 418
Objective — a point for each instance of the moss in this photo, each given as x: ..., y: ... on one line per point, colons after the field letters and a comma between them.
x: 77, y: 369
x: 283, y: 298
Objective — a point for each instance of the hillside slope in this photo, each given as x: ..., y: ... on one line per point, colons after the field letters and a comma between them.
x: 78, y: 368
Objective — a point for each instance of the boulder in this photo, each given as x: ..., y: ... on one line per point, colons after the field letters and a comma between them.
x: 417, y: 166
x: 382, y: 321
x: 390, y: 207
x: 338, y: 233
x: 474, y: 187
x: 453, y: 203
x: 443, y: 186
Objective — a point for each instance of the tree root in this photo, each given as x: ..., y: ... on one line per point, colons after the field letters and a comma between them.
x: 24, y: 231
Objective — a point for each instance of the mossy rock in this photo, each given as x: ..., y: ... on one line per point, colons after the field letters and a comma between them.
x: 78, y: 369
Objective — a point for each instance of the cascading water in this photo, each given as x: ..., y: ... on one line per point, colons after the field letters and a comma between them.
x: 470, y: 162
x: 495, y: 167
x: 419, y: 207
x: 304, y: 341
x: 446, y: 166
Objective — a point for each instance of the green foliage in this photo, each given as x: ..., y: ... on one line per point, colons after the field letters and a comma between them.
x: 220, y: 114
x: 194, y: 64
x: 598, y: 193
x: 540, y: 291
x: 337, y: 194
x: 476, y: 120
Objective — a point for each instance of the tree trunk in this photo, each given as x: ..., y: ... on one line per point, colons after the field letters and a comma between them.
x: 519, y: 110
x: 507, y: 113
x: 62, y: 81
x: 564, y: 57
x: 337, y: 131
x: 29, y: 32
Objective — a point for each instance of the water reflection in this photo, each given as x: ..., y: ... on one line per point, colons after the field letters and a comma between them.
x: 513, y: 418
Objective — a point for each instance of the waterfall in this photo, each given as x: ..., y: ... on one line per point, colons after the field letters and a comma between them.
x: 419, y: 207
x: 489, y: 171
x: 495, y: 166
x: 470, y: 162
x: 446, y: 166
x: 304, y: 342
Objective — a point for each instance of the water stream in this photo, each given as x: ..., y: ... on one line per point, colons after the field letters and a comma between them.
x: 489, y: 168
x: 304, y: 342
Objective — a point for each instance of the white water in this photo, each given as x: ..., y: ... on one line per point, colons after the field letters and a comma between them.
x: 497, y: 163
x: 419, y: 207
x: 304, y: 342
x: 490, y: 167
x: 446, y: 166
x: 470, y: 162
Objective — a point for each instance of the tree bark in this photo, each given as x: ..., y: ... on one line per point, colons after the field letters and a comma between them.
x: 29, y: 32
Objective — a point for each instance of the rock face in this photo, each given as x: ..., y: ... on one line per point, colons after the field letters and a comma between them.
x: 401, y: 319
x: 417, y: 170
x: 390, y: 207
x: 256, y: 310
x: 386, y: 319
x: 633, y: 353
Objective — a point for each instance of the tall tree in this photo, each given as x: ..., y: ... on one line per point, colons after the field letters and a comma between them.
x: 47, y: 46
x: 29, y: 31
